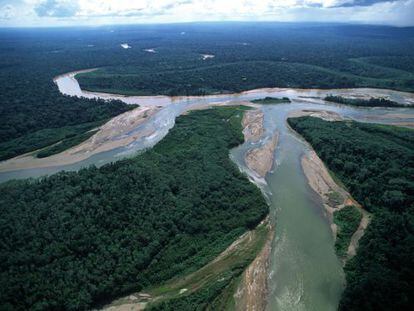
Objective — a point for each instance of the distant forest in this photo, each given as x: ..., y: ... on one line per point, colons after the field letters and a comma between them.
x: 78, y: 239
x: 376, y: 164
x: 246, y: 56
x: 362, y: 102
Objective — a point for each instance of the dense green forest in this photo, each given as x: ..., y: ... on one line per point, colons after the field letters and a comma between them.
x: 58, y: 139
x: 261, y: 55
x: 214, y: 286
x: 347, y: 220
x: 372, y: 102
x: 77, y: 239
x: 271, y: 100
x: 247, y: 56
x: 376, y: 164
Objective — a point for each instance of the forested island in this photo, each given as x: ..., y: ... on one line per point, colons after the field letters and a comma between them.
x: 371, y: 102
x: 271, y: 100
x: 79, y: 239
x: 376, y: 164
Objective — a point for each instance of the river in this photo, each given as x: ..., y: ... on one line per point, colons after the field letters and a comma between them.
x: 305, y: 273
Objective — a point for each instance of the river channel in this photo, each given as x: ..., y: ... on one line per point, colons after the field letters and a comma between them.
x: 305, y: 273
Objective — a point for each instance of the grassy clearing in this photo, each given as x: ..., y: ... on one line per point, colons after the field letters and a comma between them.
x: 347, y: 220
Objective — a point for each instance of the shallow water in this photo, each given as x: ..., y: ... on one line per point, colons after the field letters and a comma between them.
x: 305, y: 274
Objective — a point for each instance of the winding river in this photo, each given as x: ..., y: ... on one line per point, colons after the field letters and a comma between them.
x: 305, y: 273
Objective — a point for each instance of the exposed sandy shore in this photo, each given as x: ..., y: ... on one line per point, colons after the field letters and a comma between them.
x: 111, y: 135
x: 260, y: 160
x: 253, y: 124
x: 334, y: 197
x: 353, y: 245
x: 255, y: 281
x: 397, y: 119
x: 323, y: 114
x: 127, y: 306
x: 322, y: 183
x: 252, y: 291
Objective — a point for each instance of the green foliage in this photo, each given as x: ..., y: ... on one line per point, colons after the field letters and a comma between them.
x: 65, y: 144
x: 372, y: 102
x: 376, y: 163
x: 76, y: 239
x: 347, y: 220
x: 271, y: 100
x: 246, y: 57
x: 335, y: 198
x: 213, y: 286
x: 203, y: 299
x: 266, y: 55
x: 68, y: 135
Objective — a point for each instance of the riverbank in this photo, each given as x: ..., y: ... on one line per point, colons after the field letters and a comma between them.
x: 68, y: 85
x: 334, y: 197
x: 294, y: 93
x: 322, y: 114
x: 250, y: 250
x: 252, y: 292
x: 113, y: 134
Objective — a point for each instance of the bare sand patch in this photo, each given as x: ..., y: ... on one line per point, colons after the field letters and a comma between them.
x: 323, y: 114
x: 111, y: 135
x: 253, y: 124
x: 260, y: 160
x: 334, y: 197
x: 252, y: 291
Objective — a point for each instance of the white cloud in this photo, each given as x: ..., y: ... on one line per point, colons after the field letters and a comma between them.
x: 57, y: 8
x: 7, y: 12
x: 94, y: 12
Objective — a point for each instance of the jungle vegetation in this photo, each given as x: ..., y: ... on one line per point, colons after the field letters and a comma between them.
x: 376, y: 164
x: 372, y: 102
x: 247, y: 56
x: 271, y: 100
x: 79, y: 239
x: 347, y: 219
x: 213, y: 286
x: 53, y: 140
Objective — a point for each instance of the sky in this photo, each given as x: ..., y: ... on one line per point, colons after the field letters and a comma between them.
x: 29, y: 13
